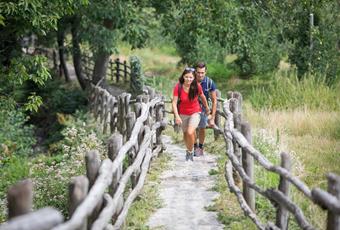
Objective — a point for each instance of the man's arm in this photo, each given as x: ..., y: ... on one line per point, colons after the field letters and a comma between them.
x: 214, y: 103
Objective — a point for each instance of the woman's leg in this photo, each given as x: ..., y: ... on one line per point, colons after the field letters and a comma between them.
x: 189, y: 137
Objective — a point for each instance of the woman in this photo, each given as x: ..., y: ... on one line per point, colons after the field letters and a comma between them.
x: 186, y: 107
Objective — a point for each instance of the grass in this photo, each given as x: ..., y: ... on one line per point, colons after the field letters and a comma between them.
x: 148, y: 201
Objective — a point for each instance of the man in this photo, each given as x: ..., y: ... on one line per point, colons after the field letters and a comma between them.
x: 209, y: 90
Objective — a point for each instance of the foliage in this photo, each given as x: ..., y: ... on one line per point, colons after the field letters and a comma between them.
x: 137, y: 77
x: 111, y: 21
x: 16, y: 137
x: 313, y: 48
x: 51, y: 172
x: 24, y: 69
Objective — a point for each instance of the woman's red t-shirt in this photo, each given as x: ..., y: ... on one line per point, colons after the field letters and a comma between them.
x: 187, y: 106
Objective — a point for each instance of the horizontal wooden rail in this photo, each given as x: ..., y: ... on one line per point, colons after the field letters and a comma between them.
x: 235, y: 139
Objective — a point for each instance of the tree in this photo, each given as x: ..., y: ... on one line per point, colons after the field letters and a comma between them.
x: 17, y: 20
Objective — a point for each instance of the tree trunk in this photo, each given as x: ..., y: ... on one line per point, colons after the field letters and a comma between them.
x: 61, y: 48
x: 76, y: 52
x: 100, y: 67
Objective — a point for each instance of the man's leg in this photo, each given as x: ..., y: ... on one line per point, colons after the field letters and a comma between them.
x: 201, y: 139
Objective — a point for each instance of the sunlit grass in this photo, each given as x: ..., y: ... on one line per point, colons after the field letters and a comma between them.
x: 149, y: 200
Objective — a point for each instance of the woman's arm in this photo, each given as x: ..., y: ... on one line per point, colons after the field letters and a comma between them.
x: 178, y: 119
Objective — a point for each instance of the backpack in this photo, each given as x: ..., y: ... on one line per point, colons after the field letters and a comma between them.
x: 209, y: 84
x: 179, y: 95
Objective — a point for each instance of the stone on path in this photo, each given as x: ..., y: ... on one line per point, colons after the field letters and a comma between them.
x: 186, y: 191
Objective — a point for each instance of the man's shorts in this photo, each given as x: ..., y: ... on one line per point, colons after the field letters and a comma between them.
x: 203, y: 121
x: 190, y: 120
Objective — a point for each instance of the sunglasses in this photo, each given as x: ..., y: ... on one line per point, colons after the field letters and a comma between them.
x: 189, y: 69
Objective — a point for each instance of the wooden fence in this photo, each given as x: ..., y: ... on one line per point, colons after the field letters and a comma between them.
x: 96, y: 200
x: 117, y: 71
x: 240, y: 166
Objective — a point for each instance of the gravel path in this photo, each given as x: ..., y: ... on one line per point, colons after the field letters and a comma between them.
x: 186, y: 191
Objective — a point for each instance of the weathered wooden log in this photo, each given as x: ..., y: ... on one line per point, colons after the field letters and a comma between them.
x: 237, y: 125
x: 282, y: 214
x: 42, y: 219
x: 117, y: 69
x: 270, y: 194
x: 127, y: 99
x: 20, y: 198
x: 130, y: 121
x: 115, y: 142
x: 78, y: 189
x: 232, y: 133
x: 217, y: 116
x: 94, y: 196
x: 121, y: 114
x: 136, y: 191
x: 243, y: 204
x: 138, y: 108
x: 333, y: 219
x: 248, y: 165
x: 108, y: 211
x: 326, y: 200
x: 113, y: 114
x: 281, y: 199
x: 159, y: 118
x: 92, y: 161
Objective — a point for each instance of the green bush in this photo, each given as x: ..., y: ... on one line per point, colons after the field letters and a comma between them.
x: 16, y: 137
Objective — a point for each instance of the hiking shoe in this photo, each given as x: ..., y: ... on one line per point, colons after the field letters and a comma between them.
x: 195, y: 149
x: 189, y: 156
x: 199, y: 152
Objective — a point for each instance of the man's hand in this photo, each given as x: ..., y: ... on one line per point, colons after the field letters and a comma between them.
x: 211, y: 121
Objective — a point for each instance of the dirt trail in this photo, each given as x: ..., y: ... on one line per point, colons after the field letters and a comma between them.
x: 186, y: 191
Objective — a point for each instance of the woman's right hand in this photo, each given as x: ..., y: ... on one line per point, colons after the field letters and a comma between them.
x: 178, y: 120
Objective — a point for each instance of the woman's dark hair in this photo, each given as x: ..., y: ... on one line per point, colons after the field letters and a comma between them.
x: 193, y: 90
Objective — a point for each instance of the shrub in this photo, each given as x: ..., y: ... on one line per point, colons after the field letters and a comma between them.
x: 16, y: 138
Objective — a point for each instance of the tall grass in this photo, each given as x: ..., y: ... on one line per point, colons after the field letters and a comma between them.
x: 286, y: 91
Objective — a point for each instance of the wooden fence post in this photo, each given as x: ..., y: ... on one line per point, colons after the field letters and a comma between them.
x: 333, y: 220
x: 125, y: 71
x: 106, y: 111
x: 130, y: 121
x: 237, y: 125
x: 282, y: 214
x: 117, y: 70
x: 127, y: 99
x: 248, y: 165
x: 217, y: 116
x: 115, y: 142
x: 20, y: 198
x: 113, y: 114
x: 159, y: 118
x: 112, y: 71
x: 121, y: 114
x: 92, y: 160
x: 78, y: 189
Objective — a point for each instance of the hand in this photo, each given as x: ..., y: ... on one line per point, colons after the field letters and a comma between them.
x: 207, y: 111
x: 178, y: 121
x: 211, y: 121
